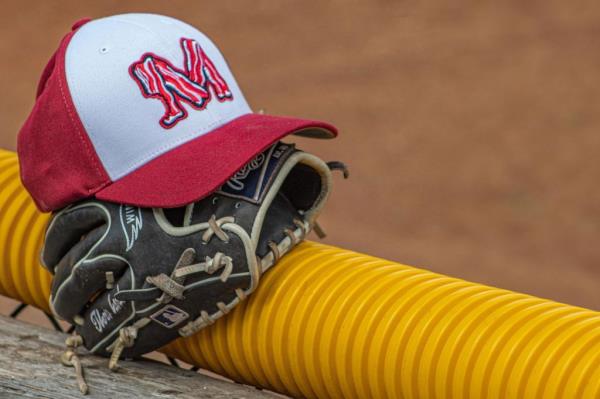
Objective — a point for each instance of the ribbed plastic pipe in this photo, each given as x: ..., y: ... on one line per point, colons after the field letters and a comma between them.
x: 331, y: 323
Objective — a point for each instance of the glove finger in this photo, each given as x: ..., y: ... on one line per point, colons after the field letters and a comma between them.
x: 64, y: 266
x: 78, y: 281
x: 68, y: 228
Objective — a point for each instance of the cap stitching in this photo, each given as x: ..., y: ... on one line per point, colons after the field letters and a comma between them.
x: 77, y: 127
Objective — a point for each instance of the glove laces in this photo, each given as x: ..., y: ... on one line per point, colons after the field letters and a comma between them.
x: 214, y: 228
x: 70, y: 359
x: 172, y: 286
x: 127, y: 336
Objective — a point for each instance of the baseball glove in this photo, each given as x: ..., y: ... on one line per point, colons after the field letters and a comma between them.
x: 132, y: 279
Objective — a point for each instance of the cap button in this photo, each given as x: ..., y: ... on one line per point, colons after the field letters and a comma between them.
x: 80, y: 23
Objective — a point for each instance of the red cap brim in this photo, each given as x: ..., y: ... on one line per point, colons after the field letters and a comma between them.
x: 199, y: 167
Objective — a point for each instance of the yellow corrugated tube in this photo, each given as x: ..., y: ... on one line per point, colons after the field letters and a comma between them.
x: 332, y: 323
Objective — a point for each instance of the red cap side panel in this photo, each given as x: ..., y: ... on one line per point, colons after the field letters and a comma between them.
x: 58, y: 162
x: 199, y: 167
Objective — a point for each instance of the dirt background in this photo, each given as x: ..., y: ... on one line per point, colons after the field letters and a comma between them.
x: 471, y: 129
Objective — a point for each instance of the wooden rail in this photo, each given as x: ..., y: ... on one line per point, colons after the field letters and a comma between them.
x: 30, y: 368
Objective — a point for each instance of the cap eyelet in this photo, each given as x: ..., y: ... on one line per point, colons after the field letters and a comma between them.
x: 104, y: 50
x: 237, y: 205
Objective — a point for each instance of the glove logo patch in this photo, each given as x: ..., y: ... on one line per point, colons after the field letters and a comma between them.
x: 254, y: 179
x: 131, y: 223
x: 170, y: 316
x: 159, y: 78
x: 237, y: 181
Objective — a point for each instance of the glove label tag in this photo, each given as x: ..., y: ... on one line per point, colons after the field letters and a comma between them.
x: 170, y: 316
x: 252, y: 182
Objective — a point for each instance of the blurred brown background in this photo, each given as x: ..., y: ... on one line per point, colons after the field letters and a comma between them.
x: 471, y: 130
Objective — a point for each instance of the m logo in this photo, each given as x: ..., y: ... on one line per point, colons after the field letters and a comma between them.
x: 158, y: 78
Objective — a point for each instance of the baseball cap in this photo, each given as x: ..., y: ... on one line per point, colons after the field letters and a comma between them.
x: 141, y: 109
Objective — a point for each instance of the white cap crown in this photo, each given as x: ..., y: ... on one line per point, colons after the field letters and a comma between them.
x: 144, y: 84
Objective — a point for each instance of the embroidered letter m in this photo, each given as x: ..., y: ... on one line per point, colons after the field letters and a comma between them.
x: 194, y: 85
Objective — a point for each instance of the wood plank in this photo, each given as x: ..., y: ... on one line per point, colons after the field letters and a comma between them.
x: 30, y: 368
